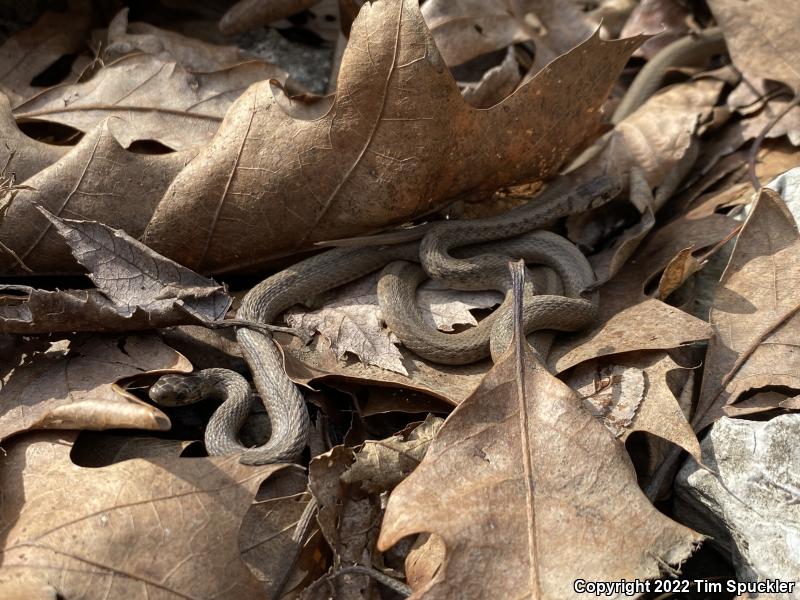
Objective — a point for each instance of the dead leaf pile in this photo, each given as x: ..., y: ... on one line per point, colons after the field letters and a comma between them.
x: 147, y: 147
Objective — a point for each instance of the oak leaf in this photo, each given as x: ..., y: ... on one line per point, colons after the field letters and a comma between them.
x: 538, y: 483
x: 157, y: 528
x: 396, y: 141
x: 73, y: 386
x: 755, y: 312
x: 149, y: 99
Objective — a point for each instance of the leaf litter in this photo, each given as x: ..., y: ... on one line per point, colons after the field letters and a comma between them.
x: 142, y: 157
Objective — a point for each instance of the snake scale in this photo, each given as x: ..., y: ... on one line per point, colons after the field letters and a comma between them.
x: 464, y: 254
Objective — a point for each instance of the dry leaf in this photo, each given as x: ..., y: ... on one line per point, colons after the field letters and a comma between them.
x: 380, y: 465
x: 191, y: 53
x: 97, y: 180
x: 666, y: 18
x: 349, y: 524
x: 495, y: 85
x: 747, y: 25
x: 72, y: 386
x: 351, y: 319
x: 397, y: 134
x: 641, y: 378
x: 754, y: 313
x: 628, y: 318
x: 156, y: 528
x: 21, y: 155
x: 538, y: 484
x: 148, y: 99
x: 29, y: 52
x: 250, y: 14
x: 464, y: 29
x: 318, y: 363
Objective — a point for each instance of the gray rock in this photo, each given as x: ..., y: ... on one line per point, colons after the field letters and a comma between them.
x: 752, y: 508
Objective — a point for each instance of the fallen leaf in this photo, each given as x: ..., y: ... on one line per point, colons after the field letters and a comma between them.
x: 464, y: 29
x: 317, y: 362
x: 754, y: 313
x: 96, y: 180
x: 191, y: 53
x: 542, y: 520
x: 351, y: 319
x: 73, y: 386
x: 250, y: 14
x: 638, y: 384
x: 133, y: 276
x: 747, y: 24
x: 628, y: 318
x: 495, y: 85
x: 20, y: 155
x: 148, y: 99
x: 393, y: 121
x: 664, y: 19
x: 380, y: 465
x: 349, y: 524
x: 163, y: 528
x: 30, y: 51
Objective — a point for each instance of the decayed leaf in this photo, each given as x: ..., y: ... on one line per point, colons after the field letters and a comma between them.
x: 538, y: 484
x: 249, y: 14
x: 133, y: 276
x: 72, y: 386
x: 755, y: 311
x: 97, y: 180
x: 495, y: 85
x: 397, y: 140
x: 380, y: 465
x: 628, y: 318
x: 349, y: 524
x: 30, y: 51
x: 191, y: 53
x: 21, y: 155
x: 149, y: 99
x: 464, y: 29
x: 747, y: 25
x: 637, y: 384
x: 318, y: 363
x: 666, y: 18
x: 157, y: 528
x: 351, y: 319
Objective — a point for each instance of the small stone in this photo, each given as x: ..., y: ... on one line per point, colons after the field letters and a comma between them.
x: 751, y: 509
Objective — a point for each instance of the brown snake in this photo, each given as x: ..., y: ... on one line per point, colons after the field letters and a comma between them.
x: 488, y: 269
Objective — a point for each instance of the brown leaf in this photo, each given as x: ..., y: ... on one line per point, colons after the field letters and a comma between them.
x: 538, y: 484
x: 496, y: 84
x: 97, y: 180
x: 318, y: 363
x: 754, y: 313
x: 350, y: 319
x: 133, y: 276
x: 30, y: 51
x: 628, y: 318
x: 164, y: 528
x: 667, y: 18
x: 380, y: 465
x: 657, y: 411
x: 250, y: 14
x: 349, y: 524
x: 465, y: 29
x: 73, y: 386
x: 148, y: 99
x: 191, y: 53
x: 397, y: 133
x: 747, y: 25
x: 21, y: 155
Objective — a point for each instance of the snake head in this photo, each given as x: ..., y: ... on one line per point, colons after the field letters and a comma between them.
x: 178, y: 390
